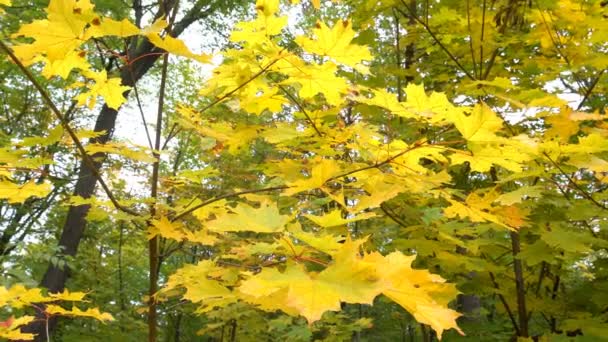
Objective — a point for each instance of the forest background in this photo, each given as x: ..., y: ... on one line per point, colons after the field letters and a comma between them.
x: 366, y: 170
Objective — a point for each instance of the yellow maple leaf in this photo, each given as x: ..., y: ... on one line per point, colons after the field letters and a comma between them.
x: 16, y: 193
x: 10, y: 329
x: 200, y: 288
x: 62, y: 67
x: 131, y: 152
x: 421, y: 293
x: 562, y: 126
x: 334, y: 218
x: 243, y: 217
x: 110, y: 89
x: 435, y: 107
x: 346, y: 279
x: 177, y: 47
x: 480, y: 125
x: 321, y: 171
x: 156, y: 27
x: 61, y: 32
x: 165, y: 228
x: 324, y: 242
x: 479, y: 209
x: 316, y: 80
x: 259, y: 31
x: 335, y: 43
x: 76, y: 312
x: 68, y: 296
x: 307, y: 296
x: 101, y: 27
x: 508, y: 153
x: 384, y: 99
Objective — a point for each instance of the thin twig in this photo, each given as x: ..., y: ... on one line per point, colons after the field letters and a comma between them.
x: 522, y: 312
x: 590, y: 90
x: 173, y: 131
x: 471, y: 39
x: 505, y: 304
x: 392, y: 216
x: 437, y: 41
x: 483, y: 27
x: 581, y: 190
x: 301, y: 108
x: 221, y: 197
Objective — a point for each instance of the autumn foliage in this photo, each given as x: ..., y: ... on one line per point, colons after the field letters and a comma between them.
x: 306, y: 175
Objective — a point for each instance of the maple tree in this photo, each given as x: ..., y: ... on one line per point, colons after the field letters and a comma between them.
x: 400, y: 164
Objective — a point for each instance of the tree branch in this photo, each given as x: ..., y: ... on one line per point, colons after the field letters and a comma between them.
x: 85, y: 157
x: 428, y: 30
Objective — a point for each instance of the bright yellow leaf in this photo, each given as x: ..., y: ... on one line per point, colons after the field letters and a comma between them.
x: 177, y: 47
x: 243, y: 217
x: 16, y: 193
x: 421, y: 293
x: 480, y: 125
x: 200, y: 288
x: 62, y: 67
x: 562, y: 126
x: 321, y: 171
x: 109, y: 27
x: 110, y: 89
x: 61, y: 33
x: 76, y: 312
x: 10, y: 329
x: 335, y: 43
x: 166, y: 229
x: 334, y: 218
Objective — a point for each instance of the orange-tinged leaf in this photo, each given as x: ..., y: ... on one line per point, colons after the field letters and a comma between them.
x: 10, y: 328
